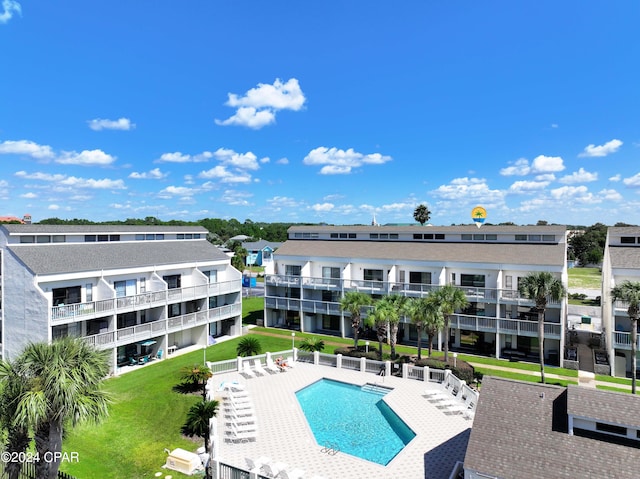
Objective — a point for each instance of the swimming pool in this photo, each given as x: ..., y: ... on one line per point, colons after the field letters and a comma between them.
x: 355, y: 419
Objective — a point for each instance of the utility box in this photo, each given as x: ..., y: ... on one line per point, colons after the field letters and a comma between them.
x: 183, y: 461
x: 249, y: 281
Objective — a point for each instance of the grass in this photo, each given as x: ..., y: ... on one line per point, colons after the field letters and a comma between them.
x: 613, y: 379
x: 252, y: 310
x: 522, y: 377
x: 589, y: 278
x: 611, y: 388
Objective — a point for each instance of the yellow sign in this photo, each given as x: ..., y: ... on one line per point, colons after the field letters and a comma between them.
x: 479, y: 214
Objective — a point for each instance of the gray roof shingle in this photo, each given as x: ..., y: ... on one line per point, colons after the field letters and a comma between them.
x: 548, y: 229
x: 518, y: 433
x: 80, y: 257
x: 626, y: 257
x: 99, y: 229
x: 526, y: 254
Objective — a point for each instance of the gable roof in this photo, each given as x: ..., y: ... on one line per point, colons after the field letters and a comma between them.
x: 87, y: 229
x: 79, y: 257
x: 526, y: 254
x: 260, y: 245
x: 520, y: 430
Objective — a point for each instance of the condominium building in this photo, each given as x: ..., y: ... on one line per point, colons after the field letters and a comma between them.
x: 318, y: 264
x: 621, y: 263
x: 139, y: 291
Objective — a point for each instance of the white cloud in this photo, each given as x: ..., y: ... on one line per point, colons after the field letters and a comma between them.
x: 554, y: 125
x: 28, y: 196
x: 266, y: 159
x: 283, y: 161
x: 171, y: 191
x: 468, y: 189
x: 9, y: 7
x: 236, y: 198
x: 103, y: 184
x: 258, y: 107
x: 53, y: 207
x: 154, y: 174
x: 120, y: 124
x: 322, y: 207
x: 25, y: 147
x: 568, y: 192
x: 283, y: 201
x: 633, y: 181
x: 243, y: 161
x: 580, y: 176
x: 521, y: 187
x: 602, y: 150
x: 178, y: 157
x: 398, y: 207
x: 545, y: 177
x: 337, y: 161
x: 40, y: 176
x: 540, y: 164
x: 610, y: 195
x: 615, y: 178
x: 86, y: 158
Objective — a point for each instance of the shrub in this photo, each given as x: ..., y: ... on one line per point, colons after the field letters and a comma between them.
x: 249, y: 346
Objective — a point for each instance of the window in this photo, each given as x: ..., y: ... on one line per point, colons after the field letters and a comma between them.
x: 180, y: 236
x: 212, y: 275
x: 474, y: 280
x: 611, y: 429
x: 373, y: 235
x: 439, y: 236
x: 417, y: 236
x: 548, y: 237
x: 43, y: 239
x: 89, y: 238
x: 213, y: 302
x: 466, y: 237
x: 70, y: 295
x: 195, y: 236
x: 393, y: 235
x: 419, y: 277
x: 491, y: 237
x: 174, y: 310
x: 329, y: 272
x: 149, y: 237
x: 384, y: 236
x: 297, y: 235
x: 103, y: 237
x: 535, y: 237
x: 478, y: 237
x: 125, y: 288
x: 623, y: 240
x: 352, y: 236
x: 428, y: 236
x: 373, y: 275
x: 334, y: 235
x: 88, y: 288
x: 59, y: 238
x: 293, y: 270
x: 343, y: 235
x: 173, y: 281
x: 188, y: 236
x: 508, y: 282
x: 521, y: 237
x: 330, y: 296
x: 331, y: 323
x: 143, y: 285
x: 139, y: 237
x: 114, y: 238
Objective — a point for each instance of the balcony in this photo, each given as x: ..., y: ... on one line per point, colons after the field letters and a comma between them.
x: 107, y: 307
x: 112, y: 339
x: 622, y: 340
x: 320, y: 307
x: 505, y: 326
x: 287, y: 304
x: 322, y: 283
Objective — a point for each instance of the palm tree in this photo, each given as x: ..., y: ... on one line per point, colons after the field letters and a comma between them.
x: 248, y: 346
x: 196, y: 377
x: 353, y: 302
x: 630, y: 293
x: 426, y: 316
x: 65, y: 379
x: 421, y: 214
x: 377, y: 319
x: 312, y: 344
x: 448, y: 299
x: 198, y: 420
x: 17, y: 439
x: 540, y: 287
x: 395, y: 311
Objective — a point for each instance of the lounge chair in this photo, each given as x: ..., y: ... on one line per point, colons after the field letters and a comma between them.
x: 257, y: 463
x: 272, y: 470
x: 247, y: 371
x: 289, y: 362
x: 257, y: 367
x: 294, y: 474
x: 271, y: 366
x: 158, y: 354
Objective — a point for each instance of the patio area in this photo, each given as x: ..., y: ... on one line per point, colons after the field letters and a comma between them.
x: 284, y: 435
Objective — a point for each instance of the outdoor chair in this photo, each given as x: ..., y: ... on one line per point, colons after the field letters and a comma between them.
x: 271, y: 366
x: 133, y: 362
x: 294, y: 474
x: 257, y: 367
x: 159, y: 354
x: 253, y: 464
x: 247, y: 371
x: 272, y: 470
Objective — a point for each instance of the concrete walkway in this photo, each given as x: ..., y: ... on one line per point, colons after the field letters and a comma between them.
x: 584, y: 378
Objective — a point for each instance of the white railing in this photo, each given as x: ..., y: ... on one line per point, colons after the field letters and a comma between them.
x: 622, y: 340
x: 105, y: 307
x: 520, y: 327
x: 139, y: 332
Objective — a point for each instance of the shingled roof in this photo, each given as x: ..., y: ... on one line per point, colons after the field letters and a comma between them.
x: 80, y: 257
x: 520, y: 431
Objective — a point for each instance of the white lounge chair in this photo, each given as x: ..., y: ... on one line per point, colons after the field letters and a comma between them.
x: 290, y: 362
x: 294, y: 474
x: 247, y: 371
x: 271, y: 366
x: 272, y: 470
x: 253, y: 464
x: 257, y: 367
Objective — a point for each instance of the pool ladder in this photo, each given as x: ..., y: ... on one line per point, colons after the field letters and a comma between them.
x: 330, y: 448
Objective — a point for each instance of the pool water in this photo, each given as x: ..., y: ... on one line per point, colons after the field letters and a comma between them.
x: 355, y: 418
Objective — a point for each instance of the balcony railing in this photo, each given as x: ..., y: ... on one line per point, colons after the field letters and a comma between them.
x: 144, y: 331
x: 504, y: 325
x: 106, y: 307
x: 474, y: 294
x: 320, y: 307
x: 622, y: 340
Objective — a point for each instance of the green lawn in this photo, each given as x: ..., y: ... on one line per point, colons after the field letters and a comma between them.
x: 252, y: 310
x: 589, y: 278
x: 611, y: 388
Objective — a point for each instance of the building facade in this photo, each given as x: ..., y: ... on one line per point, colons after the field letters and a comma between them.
x: 621, y: 263
x: 138, y: 291
x: 318, y: 264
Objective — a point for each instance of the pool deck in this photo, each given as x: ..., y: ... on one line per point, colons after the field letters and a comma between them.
x: 284, y: 435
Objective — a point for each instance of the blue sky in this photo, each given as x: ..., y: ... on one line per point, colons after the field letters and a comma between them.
x: 321, y: 111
